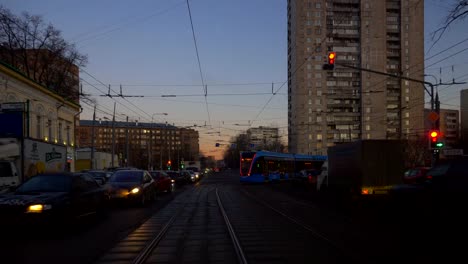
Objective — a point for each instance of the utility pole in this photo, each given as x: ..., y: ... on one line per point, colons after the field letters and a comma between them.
x: 92, y: 140
x: 127, y: 145
x: 113, y: 137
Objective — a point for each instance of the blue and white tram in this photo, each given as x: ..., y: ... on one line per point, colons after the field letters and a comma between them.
x: 265, y: 166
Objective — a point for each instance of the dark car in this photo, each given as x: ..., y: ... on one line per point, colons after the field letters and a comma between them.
x: 445, y: 184
x: 163, y: 182
x: 99, y: 176
x: 189, y: 176
x: 176, y: 177
x: 53, y: 198
x: 307, y: 178
x: 136, y: 186
x: 415, y: 175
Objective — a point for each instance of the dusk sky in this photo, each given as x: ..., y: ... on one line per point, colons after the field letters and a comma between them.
x: 147, y: 47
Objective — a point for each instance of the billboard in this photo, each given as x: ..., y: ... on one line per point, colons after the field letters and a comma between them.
x: 41, y: 157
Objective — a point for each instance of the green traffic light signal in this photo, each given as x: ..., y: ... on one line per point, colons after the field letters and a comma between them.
x: 439, y: 144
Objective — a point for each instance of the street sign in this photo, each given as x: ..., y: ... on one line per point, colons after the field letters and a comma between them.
x: 452, y: 152
x: 11, y: 107
x: 433, y: 116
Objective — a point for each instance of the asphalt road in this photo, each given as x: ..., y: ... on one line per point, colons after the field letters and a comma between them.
x: 83, y: 243
x: 275, y: 223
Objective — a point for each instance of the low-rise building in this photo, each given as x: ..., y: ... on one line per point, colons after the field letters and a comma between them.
x: 46, y: 115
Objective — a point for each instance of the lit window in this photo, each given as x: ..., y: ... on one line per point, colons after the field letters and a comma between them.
x: 319, y: 136
x: 367, y: 127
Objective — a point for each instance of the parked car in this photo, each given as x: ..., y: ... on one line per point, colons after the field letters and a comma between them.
x: 53, y: 198
x: 135, y: 186
x: 163, y: 182
x: 415, y: 175
x: 176, y: 177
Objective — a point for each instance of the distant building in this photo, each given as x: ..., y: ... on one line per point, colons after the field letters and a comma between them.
x: 262, y: 137
x: 328, y: 107
x: 464, y: 118
x: 449, y: 125
x: 150, y: 145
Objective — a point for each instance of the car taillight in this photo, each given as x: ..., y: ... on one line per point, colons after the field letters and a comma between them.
x: 429, y: 177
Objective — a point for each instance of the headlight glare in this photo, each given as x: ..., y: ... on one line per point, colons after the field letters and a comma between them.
x: 135, y: 190
x: 38, y: 208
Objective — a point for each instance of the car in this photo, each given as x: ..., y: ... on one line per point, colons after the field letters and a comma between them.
x: 163, y: 182
x: 98, y: 175
x: 195, y: 170
x: 445, y: 184
x: 185, y: 174
x: 177, y: 177
x: 136, y: 186
x: 54, y: 198
x: 415, y: 175
x: 194, y: 177
x: 307, y: 178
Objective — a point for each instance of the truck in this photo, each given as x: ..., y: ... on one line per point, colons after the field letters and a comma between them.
x: 22, y: 159
x: 362, y: 168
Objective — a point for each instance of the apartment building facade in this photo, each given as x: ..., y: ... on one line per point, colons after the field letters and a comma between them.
x: 328, y: 107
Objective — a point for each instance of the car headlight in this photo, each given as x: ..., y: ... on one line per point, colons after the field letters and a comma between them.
x: 196, y: 175
x: 172, y: 181
x: 135, y: 190
x: 38, y: 208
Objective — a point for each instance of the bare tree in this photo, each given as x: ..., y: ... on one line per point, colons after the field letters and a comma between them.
x: 456, y: 14
x: 39, y: 51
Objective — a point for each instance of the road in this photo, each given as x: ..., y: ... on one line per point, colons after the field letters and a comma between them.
x: 218, y: 220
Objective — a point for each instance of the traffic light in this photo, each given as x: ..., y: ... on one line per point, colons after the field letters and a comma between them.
x: 434, y: 137
x: 331, y: 58
x: 330, y: 61
x: 169, y: 164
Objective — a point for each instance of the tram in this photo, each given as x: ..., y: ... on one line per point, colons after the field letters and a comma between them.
x: 266, y: 166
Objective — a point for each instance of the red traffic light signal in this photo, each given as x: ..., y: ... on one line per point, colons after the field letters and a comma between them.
x: 434, y: 135
x: 169, y: 162
x: 331, y: 58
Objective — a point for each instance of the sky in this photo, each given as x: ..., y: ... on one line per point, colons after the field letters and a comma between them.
x: 147, y: 46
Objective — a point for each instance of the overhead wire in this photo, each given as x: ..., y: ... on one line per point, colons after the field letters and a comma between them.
x: 199, y: 64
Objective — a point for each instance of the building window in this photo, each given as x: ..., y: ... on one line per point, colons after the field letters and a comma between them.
x: 319, y: 119
x: 318, y: 5
x: 38, y: 127
x: 68, y: 135
x: 319, y: 136
x: 318, y: 101
x: 368, y: 110
x: 368, y: 127
x: 368, y: 136
x: 49, y: 125
x: 319, y: 93
x: 60, y: 132
x: 318, y: 31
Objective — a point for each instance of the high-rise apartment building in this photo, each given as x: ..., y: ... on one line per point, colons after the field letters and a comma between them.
x: 262, y: 136
x: 326, y: 107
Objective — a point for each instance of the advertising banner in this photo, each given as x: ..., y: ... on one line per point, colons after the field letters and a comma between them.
x: 41, y: 157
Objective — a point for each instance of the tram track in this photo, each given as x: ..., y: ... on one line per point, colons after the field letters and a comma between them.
x: 195, y: 228
x: 302, y: 224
